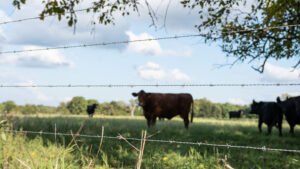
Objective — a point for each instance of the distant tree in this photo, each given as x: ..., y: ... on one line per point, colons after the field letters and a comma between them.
x: 29, y: 109
x: 227, y: 107
x: 120, y: 107
x: 138, y: 111
x: 92, y: 101
x: 132, y: 106
x: 46, y: 109
x: 62, y: 108
x: 206, y: 108
x: 285, y: 96
x: 77, y: 105
x: 226, y: 16
x: 114, y: 108
x: 106, y: 109
x: 9, y: 106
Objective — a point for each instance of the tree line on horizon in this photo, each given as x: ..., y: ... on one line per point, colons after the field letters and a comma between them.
x: 78, y: 105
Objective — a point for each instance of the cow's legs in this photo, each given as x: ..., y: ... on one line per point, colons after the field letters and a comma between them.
x: 280, y: 129
x: 149, y: 119
x: 259, y: 126
x: 185, y: 119
x: 148, y: 122
x: 292, y: 128
x: 186, y: 123
x: 153, y: 121
x: 161, y: 119
x: 269, y: 129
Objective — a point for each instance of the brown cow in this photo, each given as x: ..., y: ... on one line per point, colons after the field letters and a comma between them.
x: 165, y: 106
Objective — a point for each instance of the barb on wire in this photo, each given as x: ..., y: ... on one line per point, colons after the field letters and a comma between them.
x: 263, y: 148
x: 143, y: 40
x: 150, y: 85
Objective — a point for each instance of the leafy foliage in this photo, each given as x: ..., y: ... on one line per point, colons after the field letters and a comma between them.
x: 29, y: 109
x: 240, y: 16
x: 9, y: 106
x: 114, y: 108
x: 206, y: 108
x: 62, y: 108
x: 77, y: 105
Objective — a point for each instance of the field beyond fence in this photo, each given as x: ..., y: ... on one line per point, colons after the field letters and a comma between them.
x: 50, y: 151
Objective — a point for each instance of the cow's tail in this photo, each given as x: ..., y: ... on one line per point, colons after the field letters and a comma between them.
x: 192, y: 115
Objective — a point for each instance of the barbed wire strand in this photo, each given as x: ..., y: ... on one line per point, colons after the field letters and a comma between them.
x: 144, y: 40
x: 39, y: 17
x: 148, y: 85
x: 263, y: 148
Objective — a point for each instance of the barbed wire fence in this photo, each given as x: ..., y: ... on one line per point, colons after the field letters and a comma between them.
x: 146, y: 85
x: 263, y: 148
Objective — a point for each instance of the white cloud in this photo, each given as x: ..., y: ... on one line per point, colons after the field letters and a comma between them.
x: 278, y: 74
x: 147, y: 47
x: 179, y: 76
x: 152, y: 47
x: 41, y: 59
x: 152, y: 71
x: 236, y: 101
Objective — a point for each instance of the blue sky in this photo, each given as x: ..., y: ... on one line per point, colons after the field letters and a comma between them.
x: 177, y: 61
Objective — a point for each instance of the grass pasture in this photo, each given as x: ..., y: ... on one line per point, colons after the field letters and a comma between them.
x: 43, y: 151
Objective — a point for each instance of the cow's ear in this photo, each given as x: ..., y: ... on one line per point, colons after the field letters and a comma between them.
x: 134, y: 94
x: 278, y: 99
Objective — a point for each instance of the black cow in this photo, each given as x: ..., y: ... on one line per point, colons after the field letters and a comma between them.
x: 269, y: 113
x: 91, y: 109
x: 235, y: 114
x: 291, y: 109
x: 165, y: 106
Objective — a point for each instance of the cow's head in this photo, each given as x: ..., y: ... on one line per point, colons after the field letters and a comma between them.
x: 141, y: 97
x: 284, y: 105
x: 241, y: 112
x: 255, y: 106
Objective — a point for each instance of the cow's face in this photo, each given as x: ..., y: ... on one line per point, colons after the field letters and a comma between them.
x: 141, y: 97
x: 284, y: 105
x: 255, y: 107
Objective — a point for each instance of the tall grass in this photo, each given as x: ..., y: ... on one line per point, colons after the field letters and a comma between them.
x: 119, y: 154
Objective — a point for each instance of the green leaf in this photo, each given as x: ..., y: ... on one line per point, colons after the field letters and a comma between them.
x: 201, y: 4
x: 2, y: 122
x: 70, y: 23
x: 3, y: 136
